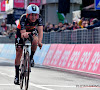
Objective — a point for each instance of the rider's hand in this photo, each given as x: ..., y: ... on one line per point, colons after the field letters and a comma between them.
x: 25, y: 35
x: 40, y: 44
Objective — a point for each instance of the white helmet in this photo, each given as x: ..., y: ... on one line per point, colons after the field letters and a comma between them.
x: 32, y: 8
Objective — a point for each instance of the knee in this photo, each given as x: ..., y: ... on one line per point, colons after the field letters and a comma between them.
x: 35, y: 41
x: 19, y: 50
x: 18, y: 55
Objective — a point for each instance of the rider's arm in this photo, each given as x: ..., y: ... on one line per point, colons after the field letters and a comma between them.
x: 40, y: 33
x: 24, y: 34
x: 22, y: 31
x: 40, y: 29
x: 22, y: 25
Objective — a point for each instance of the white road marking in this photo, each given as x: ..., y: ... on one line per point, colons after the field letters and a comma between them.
x: 32, y: 84
x: 39, y: 86
x: 7, y: 84
x: 56, y: 86
x: 6, y: 74
x: 44, y: 87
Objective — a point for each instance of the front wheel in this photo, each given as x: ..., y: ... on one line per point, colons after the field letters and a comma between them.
x: 21, y: 71
x: 27, y: 80
x: 27, y: 70
x: 21, y: 77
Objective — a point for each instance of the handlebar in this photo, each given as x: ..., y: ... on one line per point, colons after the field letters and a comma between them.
x: 30, y: 39
x: 24, y: 39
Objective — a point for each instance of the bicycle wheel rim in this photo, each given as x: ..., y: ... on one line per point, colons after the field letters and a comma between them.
x: 22, y: 68
x: 27, y: 71
x: 21, y: 80
x: 27, y: 81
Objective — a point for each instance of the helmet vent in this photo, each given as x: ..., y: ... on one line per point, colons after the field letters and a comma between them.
x: 33, y: 8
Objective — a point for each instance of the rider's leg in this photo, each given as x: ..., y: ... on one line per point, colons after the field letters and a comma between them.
x: 19, y: 49
x: 34, y: 47
x: 17, y: 64
x: 17, y: 59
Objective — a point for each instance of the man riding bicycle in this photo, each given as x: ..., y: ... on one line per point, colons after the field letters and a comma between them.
x: 27, y: 25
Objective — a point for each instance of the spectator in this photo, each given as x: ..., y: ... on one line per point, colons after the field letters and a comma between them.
x: 11, y: 33
x: 81, y: 20
x: 4, y: 27
x: 60, y: 25
x: 95, y: 20
x: 87, y: 22
x: 65, y: 26
x: 95, y: 23
x: 91, y: 23
x: 51, y: 28
x: 56, y: 27
x: 46, y: 27
x: 75, y: 25
x: 83, y: 24
x: 70, y: 27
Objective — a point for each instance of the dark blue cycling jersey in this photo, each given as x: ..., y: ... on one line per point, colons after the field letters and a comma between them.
x: 24, y: 23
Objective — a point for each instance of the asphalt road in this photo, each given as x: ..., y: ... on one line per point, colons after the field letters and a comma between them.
x: 46, y: 79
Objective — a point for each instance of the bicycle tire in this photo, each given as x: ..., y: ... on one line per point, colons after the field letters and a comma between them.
x: 27, y: 81
x: 21, y: 80
x: 22, y: 69
x: 27, y: 67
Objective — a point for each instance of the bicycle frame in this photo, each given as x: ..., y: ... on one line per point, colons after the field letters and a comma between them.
x: 25, y: 66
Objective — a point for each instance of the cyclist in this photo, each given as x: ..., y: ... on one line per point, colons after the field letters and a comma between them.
x: 27, y: 24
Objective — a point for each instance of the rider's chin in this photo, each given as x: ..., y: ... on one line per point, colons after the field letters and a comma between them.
x: 33, y: 20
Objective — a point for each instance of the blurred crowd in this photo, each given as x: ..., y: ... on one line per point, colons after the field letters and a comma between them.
x: 76, y: 24
x: 48, y: 27
x: 7, y: 30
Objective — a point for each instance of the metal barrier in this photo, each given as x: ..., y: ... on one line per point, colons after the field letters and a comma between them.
x: 79, y: 36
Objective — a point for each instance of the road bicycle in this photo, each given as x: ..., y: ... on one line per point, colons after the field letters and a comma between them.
x: 25, y: 65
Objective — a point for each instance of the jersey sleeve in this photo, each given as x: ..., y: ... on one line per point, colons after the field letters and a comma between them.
x: 22, y: 22
x: 40, y: 21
